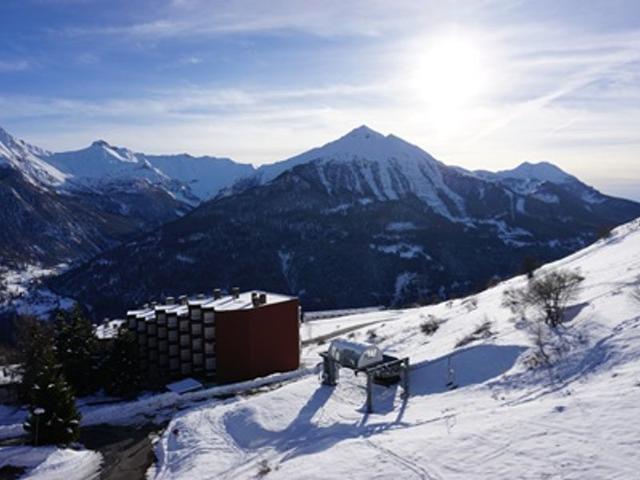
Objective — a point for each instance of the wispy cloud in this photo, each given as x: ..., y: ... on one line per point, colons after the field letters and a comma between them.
x: 14, y: 65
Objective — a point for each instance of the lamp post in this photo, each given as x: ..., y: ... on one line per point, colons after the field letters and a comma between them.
x: 37, y: 412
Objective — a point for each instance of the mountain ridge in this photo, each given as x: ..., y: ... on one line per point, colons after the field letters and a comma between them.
x: 345, y: 232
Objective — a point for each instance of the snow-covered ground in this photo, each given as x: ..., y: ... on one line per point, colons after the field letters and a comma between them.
x: 478, y: 410
x: 22, y: 291
x: 505, y: 419
x: 51, y: 463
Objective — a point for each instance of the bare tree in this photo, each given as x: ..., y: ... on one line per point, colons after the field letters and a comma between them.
x: 549, y: 295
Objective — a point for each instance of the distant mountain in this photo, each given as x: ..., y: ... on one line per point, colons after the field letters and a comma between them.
x: 191, y: 179
x: 366, y: 219
x: 66, y: 207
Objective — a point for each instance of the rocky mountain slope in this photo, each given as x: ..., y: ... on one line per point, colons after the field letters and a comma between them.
x: 366, y: 219
x: 67, y: 207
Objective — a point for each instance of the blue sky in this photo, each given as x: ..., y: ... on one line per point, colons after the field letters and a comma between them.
x: 482, y: 84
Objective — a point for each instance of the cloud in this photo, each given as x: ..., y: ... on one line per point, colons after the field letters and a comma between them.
x: 14, y: 66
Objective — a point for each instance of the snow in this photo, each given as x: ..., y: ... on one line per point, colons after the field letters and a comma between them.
x: 108, y: 329
x: 400, y: 226
x: 22, y: 291
x: 475, y: 411
x: 52, y: 463
x: 193, y: 179
x: 543, y: 171
x: 29, y: 160
x: 387, y: 166
x: 403, y: 250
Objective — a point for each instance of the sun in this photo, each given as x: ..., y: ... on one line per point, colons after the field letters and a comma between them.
x: 449, y: 73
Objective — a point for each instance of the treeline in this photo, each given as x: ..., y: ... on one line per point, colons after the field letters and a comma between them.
x: 64, y: 359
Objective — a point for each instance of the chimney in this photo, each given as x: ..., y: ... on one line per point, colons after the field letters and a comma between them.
x: 200, y: 296
x: 170, y: 300
x: 217, y: 293
x: 235, y: 292
x: 183, y: 299
x: 263, y: 299
x: 153, y: 304
x: 255, y: 300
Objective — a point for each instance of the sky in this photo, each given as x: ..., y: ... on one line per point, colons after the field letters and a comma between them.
x: 483, y: 84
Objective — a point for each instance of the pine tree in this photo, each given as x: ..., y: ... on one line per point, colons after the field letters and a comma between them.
x: 77, y: 348
x: 53, y: 417
x: 121, y: 367
x: 33, y: 342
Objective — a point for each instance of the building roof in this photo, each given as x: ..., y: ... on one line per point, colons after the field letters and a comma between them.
x: 226, y: 303
x: 185, y: 385
x: 109, y: 329
x: 244, y: 301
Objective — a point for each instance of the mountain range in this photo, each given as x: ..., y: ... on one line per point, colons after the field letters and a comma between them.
x: 366, y: 219
x: 67, y: 207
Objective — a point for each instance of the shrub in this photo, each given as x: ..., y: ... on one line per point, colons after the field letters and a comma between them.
x: 470, y: 303
x: 482, y: 331
x: 430, y: 327
x: 263, y: 468
x: 548, y: 295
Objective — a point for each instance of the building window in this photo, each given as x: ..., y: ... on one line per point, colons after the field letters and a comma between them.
x: 173, y: 335
x: 209, y: 348
x: 196, y: 329
x: 152, y: 342
x: 151, y: 329
x: 196, y: 314
x: 172, y: 321
x: 186, y: 368
x: 209, y: 333
x: 209, y: 317
x: 210, y: 364
x: 162, y: 318
x: 197, y: 359
x: 184, y: 340
x: 163, y: 360
x: 162, y: 332
x: 173, y: 350
x: 173, y: 364
x: 162, y: 345
x: 184, y: 325
x: 185, y: 355
x: 197, y: 344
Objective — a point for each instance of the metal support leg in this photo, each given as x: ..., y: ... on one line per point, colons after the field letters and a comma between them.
x: 369, y: 393
x: 405, y: 378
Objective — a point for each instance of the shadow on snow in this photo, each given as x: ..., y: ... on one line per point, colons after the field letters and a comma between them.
x: 470, y: 366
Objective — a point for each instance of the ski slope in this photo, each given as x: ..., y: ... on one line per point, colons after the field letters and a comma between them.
x: 475, y: 411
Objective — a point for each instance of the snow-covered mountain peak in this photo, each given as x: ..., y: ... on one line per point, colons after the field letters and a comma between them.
x: 543, y: 171
x: 367, y: 163
x: 28, y: 159
x: 363, y: 132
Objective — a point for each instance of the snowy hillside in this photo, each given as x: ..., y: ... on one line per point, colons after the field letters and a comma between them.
x: 479, y: 407
x: 29, y: 160
x: 504, y: 419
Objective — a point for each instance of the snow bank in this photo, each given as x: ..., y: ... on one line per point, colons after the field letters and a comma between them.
x: 51, y: 463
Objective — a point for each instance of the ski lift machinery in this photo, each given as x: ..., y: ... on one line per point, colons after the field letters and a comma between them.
x: 378, y: 367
